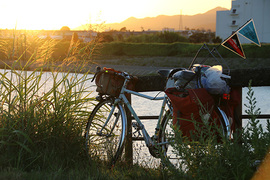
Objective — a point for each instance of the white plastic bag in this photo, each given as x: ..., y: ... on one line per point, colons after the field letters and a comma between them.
x: 182, y: 77
x: 213, y: 82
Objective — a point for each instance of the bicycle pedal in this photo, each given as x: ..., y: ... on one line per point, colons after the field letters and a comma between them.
x: 154, y: 150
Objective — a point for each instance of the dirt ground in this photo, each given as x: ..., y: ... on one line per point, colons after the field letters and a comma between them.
x: 143, y: 65
x: 135, y: 65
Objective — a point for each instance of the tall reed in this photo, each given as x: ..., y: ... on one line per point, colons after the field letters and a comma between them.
x: 42, y: 114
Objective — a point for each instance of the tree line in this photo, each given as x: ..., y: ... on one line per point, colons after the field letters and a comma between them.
x: 191, y: 36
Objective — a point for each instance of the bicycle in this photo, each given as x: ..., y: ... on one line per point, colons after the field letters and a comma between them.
x: 106, y: 128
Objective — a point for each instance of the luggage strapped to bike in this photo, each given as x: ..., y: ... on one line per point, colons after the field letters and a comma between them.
x: 192, y: 95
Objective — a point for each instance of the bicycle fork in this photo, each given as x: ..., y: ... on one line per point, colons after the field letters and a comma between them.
x: 109, y: 118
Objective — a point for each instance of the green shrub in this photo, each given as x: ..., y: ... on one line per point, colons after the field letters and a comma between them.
x: 204, y: 157
x: 161, y: 37
x: 177, y: 49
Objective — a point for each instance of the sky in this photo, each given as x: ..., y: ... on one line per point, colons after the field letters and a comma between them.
x: 53, y: 14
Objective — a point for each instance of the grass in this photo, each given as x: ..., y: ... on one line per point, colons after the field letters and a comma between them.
x: 41, y: 125
x: 176, y: 49
x: 43, y: 116
x: 38, y: 122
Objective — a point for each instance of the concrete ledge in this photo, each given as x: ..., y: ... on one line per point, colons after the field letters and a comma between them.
x: 240, y: 78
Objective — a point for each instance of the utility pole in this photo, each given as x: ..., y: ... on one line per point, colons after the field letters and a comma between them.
x: 180, y: 21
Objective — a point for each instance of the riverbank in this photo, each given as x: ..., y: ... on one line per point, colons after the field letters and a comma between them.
x: 135, y: 65
x: 132, y: 65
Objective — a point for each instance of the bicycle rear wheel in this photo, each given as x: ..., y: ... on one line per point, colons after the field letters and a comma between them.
x: 166, y: 138
x: 106, y: 131
x: 169, y: 154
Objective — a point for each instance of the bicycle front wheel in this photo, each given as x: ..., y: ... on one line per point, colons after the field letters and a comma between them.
x: 106, y: 131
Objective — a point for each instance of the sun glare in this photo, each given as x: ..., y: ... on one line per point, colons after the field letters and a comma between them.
x: 32, y: 14
x: 53, y: 14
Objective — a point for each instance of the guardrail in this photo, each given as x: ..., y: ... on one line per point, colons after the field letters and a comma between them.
x: 239, y: 78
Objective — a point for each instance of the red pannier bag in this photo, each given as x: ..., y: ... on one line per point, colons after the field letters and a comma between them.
x: 190, y: 105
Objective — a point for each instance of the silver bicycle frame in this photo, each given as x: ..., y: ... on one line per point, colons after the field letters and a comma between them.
x: 123, y: 99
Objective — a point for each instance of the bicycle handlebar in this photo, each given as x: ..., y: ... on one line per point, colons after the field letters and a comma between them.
x: 98, y: 69
x: 120, y: 73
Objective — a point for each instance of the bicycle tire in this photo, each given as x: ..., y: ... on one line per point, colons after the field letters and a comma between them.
x: 169, y: 156
x: 106, y: 145
x: 166, y: 138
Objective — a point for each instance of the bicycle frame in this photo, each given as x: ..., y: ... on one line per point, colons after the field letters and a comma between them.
x: 123, y: 100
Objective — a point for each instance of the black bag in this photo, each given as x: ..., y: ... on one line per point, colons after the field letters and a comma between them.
x: 109, y: 82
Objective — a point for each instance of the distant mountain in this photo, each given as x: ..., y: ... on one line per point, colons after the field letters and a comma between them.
x: 199, y: 21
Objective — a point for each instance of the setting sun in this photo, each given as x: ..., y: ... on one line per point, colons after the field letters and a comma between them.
x: 52, y: 14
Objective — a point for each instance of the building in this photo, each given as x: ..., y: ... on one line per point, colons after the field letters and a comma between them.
x: 241, y: 11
